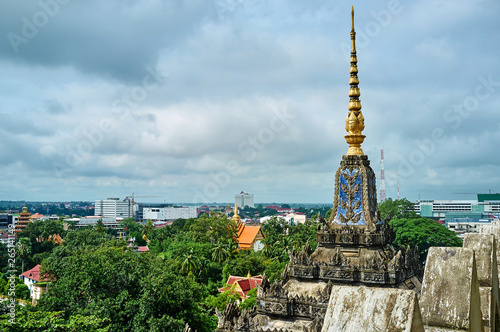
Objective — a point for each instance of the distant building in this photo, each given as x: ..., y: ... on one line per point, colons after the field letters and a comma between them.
x: 31, y: 278
x: 487, y: 206
x: 109, y: 223
x: 461, y: 226
x: 462, y: 216
x: 37, y: 216
x: 23, y: 220
x: 291, y: 218
x: 296, y: 218
x: 113, y: 208
x: 244, y: 199
x: 7, y: 219
x: 169, y: 213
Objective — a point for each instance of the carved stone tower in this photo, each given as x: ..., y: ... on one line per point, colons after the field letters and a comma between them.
x: 354, y: 245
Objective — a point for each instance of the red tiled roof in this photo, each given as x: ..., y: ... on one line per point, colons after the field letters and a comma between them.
x: 244, y: 284
x: 34, y: 274
x: 143, y: 249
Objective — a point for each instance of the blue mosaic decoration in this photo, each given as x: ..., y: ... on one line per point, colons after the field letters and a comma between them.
x: 355, y: 200
x: 350, y: 206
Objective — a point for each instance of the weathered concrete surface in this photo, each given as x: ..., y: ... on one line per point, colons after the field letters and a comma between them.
x: 441, y: 329
x: 291, y: 325
x: 484, y: 246
x: 367, y: 309
x: 450, y: 290
x: 487, y: 308
x: 305, y: 288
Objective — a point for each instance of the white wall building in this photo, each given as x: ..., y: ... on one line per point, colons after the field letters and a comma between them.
x: 463, y: 226
x: 168, y: 213
x: 113, y: 208
x: 244, y: 199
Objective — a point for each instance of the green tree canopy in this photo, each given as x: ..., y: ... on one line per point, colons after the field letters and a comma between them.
x: 397, y: 209
x: 134, y: 291
x: 424, y: 233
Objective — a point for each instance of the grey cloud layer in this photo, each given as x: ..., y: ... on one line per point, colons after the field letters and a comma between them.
x: 227, y: 67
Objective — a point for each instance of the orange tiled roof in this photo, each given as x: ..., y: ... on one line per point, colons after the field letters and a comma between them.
x: 247, y: 236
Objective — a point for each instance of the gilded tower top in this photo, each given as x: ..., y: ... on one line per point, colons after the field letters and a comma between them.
x: 355, y: 122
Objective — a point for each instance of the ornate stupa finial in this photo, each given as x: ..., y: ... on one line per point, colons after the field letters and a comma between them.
x: 355, y: 199
x: 236, y: 218
x: 355, y: 122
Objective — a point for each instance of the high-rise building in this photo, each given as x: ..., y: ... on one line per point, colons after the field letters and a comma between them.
x: 244, y: 199
x: 113, y: 208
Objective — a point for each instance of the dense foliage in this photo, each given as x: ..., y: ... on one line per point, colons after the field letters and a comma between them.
x: 423, y: 233
x: 413, y: 230
x: 99, y: 283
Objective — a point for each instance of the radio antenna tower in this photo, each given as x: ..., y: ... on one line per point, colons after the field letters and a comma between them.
x: 382, y: 177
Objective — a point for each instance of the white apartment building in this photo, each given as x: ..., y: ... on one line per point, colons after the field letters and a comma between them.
x: 168, y: 213
x: 244, y: 199
x: 113, y: 208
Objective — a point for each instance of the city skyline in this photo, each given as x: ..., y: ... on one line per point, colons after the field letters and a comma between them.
x: 199, y: 101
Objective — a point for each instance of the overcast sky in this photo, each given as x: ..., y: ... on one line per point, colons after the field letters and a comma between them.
x: 197, y: 100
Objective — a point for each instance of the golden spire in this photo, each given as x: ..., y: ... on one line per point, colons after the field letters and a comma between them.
x: 355, y: 122
x: 236, y: 218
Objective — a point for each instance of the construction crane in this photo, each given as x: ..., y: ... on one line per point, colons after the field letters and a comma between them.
x: 489, y: 192
x: 131, y: 198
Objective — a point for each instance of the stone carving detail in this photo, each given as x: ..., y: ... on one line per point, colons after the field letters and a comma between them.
x: 301, y: 258
x: 338, y: 259
x: 228, y: 318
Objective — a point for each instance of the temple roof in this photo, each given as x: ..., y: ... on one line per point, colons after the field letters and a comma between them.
x: 248, y: 235
x: 243, y: 284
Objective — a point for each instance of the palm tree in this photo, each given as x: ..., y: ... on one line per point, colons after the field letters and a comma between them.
x: 190, y: 263
x: 232, y: 248
x: 148, y: 228
x: 23, y: 250
x: 220, y: 252
x: 99, y: 226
